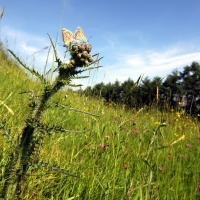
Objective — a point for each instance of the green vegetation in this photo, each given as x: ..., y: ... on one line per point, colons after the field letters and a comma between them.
x: 180, y: 89
x: 125, y: 154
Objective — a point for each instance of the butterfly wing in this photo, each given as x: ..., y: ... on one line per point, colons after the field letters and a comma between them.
x: 67, y: 37
x: 79, y: 36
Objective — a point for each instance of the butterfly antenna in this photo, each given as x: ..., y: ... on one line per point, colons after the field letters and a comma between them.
x: 61, y: 45
x: 89, y: 38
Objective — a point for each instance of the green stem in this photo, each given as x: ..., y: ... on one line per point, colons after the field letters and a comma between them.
x: 12, y: 187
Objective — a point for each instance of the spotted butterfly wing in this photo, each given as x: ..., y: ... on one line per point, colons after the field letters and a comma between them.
x: 80, y: 37
x: 67, y: 37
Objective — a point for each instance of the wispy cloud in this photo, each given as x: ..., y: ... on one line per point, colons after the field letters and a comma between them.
x: 30, y: 47
x: 121, y: 60
x: 151, y: 62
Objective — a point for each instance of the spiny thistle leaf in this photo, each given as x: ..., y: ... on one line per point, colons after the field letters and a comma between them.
x: 84, y: 112
x: 32, y: 71
x: 80, y: 77
x: 55, y: 52
x: 42, y: 127
x: 75, y: 109
x: 73, y: 85
x: 56, y: 169
x: 7, y: 133
x: 87, y: 69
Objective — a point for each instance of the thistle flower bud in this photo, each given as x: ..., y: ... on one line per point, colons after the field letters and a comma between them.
x: 84, y: 54
x: 74, y: 53
x: 81, y: 47
x: 82, y: 60
x: 75, y: 47
x: 90, y: 58
x: 67, y: 66
x: 79, y: 55
x: 86, y: 62
x: 88, y: 48
x: 72, y: 62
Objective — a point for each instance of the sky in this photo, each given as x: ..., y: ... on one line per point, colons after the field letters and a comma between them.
x: 150, y: 37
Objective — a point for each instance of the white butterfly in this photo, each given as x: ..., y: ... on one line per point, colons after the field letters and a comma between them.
x: 67, y: 37
x: 78, y: 37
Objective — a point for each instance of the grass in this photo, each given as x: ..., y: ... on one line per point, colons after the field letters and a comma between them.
x: 124, y: 154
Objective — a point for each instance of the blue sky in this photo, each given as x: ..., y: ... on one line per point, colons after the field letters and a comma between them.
x: 150, y: 37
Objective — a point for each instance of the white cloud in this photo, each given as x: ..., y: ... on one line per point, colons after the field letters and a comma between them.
x: 31, y: 48
x: 151, y: 62
x: 117, y: 62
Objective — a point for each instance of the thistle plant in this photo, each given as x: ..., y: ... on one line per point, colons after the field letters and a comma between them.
x: 25, y: 151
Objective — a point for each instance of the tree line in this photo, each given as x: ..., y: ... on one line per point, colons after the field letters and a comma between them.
x: 180, y: 89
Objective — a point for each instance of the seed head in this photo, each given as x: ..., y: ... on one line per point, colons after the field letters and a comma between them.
x: 79, y: 55
x: 88, y: 48
x: 84, y: 54
x: 81, y: 47
x: 90, y: 58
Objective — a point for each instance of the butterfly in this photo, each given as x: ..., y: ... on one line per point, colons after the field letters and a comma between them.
x: 67, y: 37
x: 77, y: 38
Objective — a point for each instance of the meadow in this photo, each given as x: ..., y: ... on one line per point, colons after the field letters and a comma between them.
x: 116, y: 153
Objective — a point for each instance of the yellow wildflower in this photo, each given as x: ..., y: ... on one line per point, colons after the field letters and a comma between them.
x: 179, y: 127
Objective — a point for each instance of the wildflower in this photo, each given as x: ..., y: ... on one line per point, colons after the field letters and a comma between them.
x: 178, y: 115
x: 199, y: 187
x: 179, y: 127
x: 156, y: 122
x: 188, y: 145
x: 102, y: 146
x: 135, y: 131
x: 176, y: 134
x: 160, y: 168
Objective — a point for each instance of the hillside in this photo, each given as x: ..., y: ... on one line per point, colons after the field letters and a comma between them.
x: 115, y: 153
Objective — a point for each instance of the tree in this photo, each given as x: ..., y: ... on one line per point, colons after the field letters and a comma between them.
x: 172, y: 88
x: 190, y: 83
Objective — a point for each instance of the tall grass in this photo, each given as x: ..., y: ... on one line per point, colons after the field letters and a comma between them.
x: 122, y: 155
